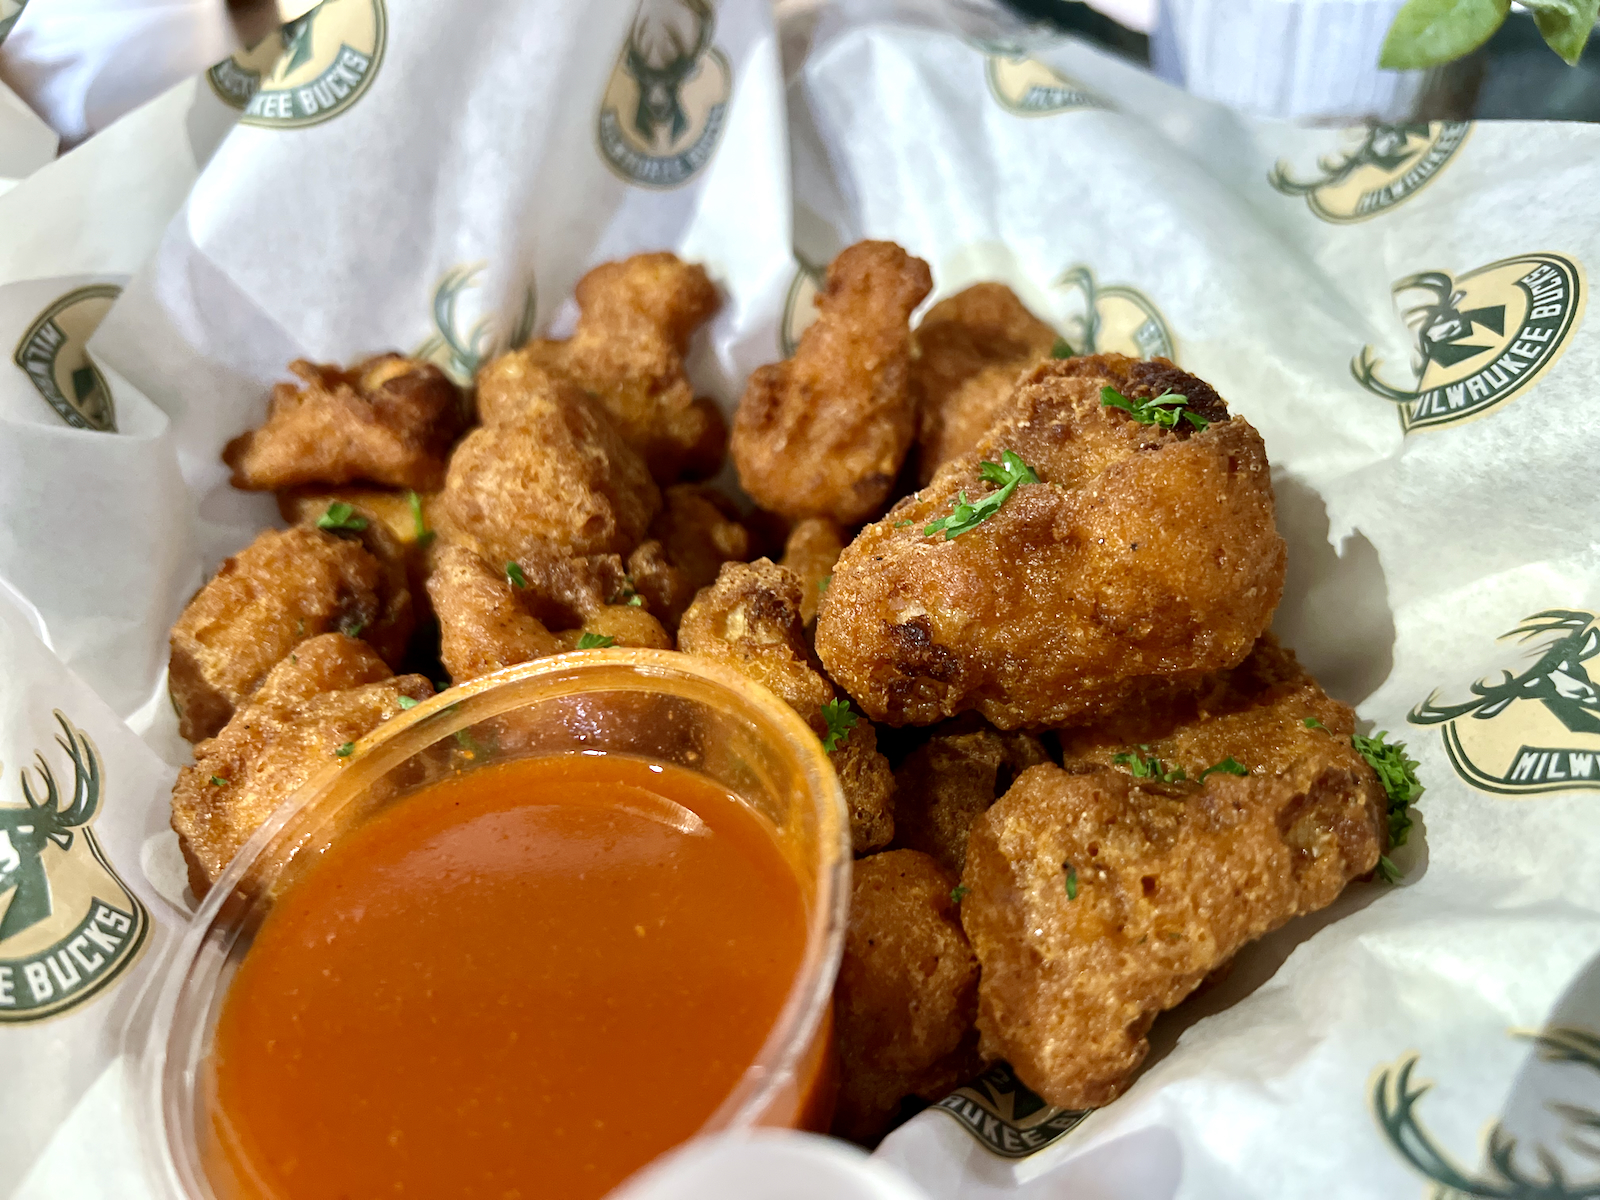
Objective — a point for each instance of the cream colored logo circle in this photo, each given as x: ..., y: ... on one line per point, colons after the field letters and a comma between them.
x: 1537, y: 727
x: 1116, y: 319
x: 68, y: 926
x: 312, y: 69
x: 1028, y: 88
x: 1383, y: 166
x: 1479, y: 339
x: 667, y: 101
x: 54, y: 355
x: 800, y: 306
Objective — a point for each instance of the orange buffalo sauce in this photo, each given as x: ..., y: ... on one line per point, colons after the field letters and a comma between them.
x: 526, y: 981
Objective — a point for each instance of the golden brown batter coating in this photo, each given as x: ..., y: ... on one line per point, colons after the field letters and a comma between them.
x: 556, y: 471
x: 1143, y: 554
x: 388, y: 420
x: 636, y: 319
x: 951, y: 780
x: 483, y: 626
x: 286, y: 586
x: 1097, y: 901
x: 303, y: 506
x: 814, y: 545
x: 328, y: 691
x: 868, y: 786
x: 699, y: 531
x: 907, y: 990
x: 824, y: 433
x: 971, y: 347
x: 665, y: 590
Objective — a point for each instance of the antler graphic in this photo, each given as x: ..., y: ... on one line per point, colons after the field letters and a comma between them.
x: 1364, y: 367
x: 660, y: 81
x: 1083, y: 279
x: 1577, y: 644
x: 57, y: 822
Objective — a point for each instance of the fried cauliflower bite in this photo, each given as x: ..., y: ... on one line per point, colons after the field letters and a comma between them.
x: 750, y: 620
x: 410, y: 521
x: 1144, y: 554
x: 971, y: 347
x: 286, y: 586
x: 551, y: 469
x: 387, y: 420
x: 662, y: 587
x: 906, y: 994
x: 813, y: 546
x: 328, y: 691
x: 636, y: 319
x: 698, y: 532
x: 824, y: 433
x: 1096, y: 901
x: 948, y: 782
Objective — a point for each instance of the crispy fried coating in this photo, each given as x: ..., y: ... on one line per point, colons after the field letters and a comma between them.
x: 388, y: 420
x: 665, y: 590
x: 949, y: 781
x: 812, y: 548
x: 624, y: 624
x: 303, y: 506
x: 328, y: 691
x: 1170, y: 880
x: 483, y: 626
x: 636, y: 319
x: 824, y: 433
x: 553, y: 469
x: 699, y: 531
x: 286, y: 586
x: 1255, y: 713
x: 868, y: 786
x: 907, y: 990
x: 971, y: 347
x: 1143, y: 554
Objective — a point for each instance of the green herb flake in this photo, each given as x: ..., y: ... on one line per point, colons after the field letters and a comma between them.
x: 1397, y: 772
x: 596, y: 641
x: 1313, y: 723
x: 1062, y: 349
x: 959, y: 893
x: 351, y: 627
x: 822, y: 584
x: 840, y: 722
x: 1228, y: 766
x: 407, y: 702
x: 1165, y: 410
x: 1006, y: 475
x: 515, y: 575
x: 341, y: 516
x: 1142, y: 767
x: 1072, y: 881
x: 424, y: 535
x: 219, y: 781
x: 903, y: 524
x: 636, y: 600
x: 346, y: 750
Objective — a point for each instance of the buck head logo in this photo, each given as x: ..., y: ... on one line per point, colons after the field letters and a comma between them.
x: 1386, y: 165
x: 311, y: 69
x: 1479, y: 339
x: 1007, y: 1117
x: 665, y: 105
x: 1026, y: 87
x: 1116, y: 319
x: 54, y: 355
x: 69, y: 926
x: 1531, y: 730
x: 457, y: 348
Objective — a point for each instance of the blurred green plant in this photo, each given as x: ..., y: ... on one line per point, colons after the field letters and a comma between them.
x: 1429, y: 33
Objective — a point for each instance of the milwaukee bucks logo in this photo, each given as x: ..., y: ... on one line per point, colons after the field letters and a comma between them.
x: 70, y: 926
x: 667, y: 101
x: 800, y: 305
x: 458, y: 348
x: 1009, y: 1119
x: 1387, y: 164
x: 1116, y: 319
x: 1395, y: 1098
x: 1026, y: 87
x: 312, y: 69
x: 1533, y: 730
x: 54, y: 354
x: 1479, y: 339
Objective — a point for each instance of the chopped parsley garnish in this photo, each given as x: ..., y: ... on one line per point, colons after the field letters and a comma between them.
x: 1062, y: 349
x: 596, y: 641
x: 1229, y: 766
x: 1313, y: 723
x: 1397, y: 771
x: 341, y: 516
x: 424, y: 535
x: 1164, y: 410
x: 407, y: 702
x: 1072, y: 881
x: 966, y: 515
x: 351, y: 627
x: 628, y: 595
x: 822, y: 584
x: 346, y: 750
x: 959, y: 893
x: 1142, y: 767
x: 902, y: 524
x: 840, y: 722
x: 514, y: 573
x: 218, y: 781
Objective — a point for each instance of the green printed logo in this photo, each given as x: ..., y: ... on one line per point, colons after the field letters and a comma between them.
x: 312, y: 69
x: 1027, y: 87
x: 70, y: 926
x: 10, y: 10
x: 1481, y: 339
x: 1117, y: 320
x: 1387, y: 165
x: 458, y: 349
x: 54, y: 354
x: 800, y: 305
x: 1533, y: 730
x: 667, y: 101
x: 1006, y: 1116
